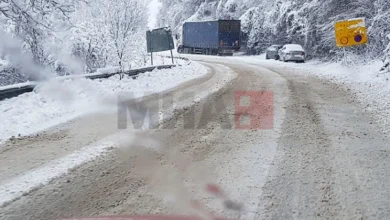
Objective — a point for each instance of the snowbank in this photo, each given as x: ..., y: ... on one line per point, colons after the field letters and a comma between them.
x: 370, y: 88
x: 108, y: 70
x: 17, y: 85
x: 57, y: 101
x: 364, y: 82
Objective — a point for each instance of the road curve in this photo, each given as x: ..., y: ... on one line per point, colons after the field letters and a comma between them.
x: 323, y: 158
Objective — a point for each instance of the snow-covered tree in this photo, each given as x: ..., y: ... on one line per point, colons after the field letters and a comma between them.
x: 109, y: 33
x: 71, y: 36
x: 34, y: 21
x: 381, y: 28
x: 306, y: 22
x: 125, y: 19
x: 88, y: 40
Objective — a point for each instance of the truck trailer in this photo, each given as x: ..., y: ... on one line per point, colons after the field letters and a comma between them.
x: 221, y: 37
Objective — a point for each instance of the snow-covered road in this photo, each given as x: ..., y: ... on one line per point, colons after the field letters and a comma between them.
x: 58, y: 101
x: 323, y: 157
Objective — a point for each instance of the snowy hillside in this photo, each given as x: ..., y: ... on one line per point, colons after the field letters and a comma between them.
x: 307, y: 22
x: 40, y: 39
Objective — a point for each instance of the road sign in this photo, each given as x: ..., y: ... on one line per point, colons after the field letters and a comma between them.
x: 159, y: 40
x: 351, y: 32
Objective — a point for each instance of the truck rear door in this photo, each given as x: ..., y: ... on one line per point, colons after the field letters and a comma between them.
x: 229, y: 34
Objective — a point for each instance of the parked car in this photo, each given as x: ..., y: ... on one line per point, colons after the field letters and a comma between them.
x: 272, y: 52
x: 292, y: 52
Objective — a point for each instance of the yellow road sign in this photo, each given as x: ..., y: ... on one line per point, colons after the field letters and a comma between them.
x: 351, y: 32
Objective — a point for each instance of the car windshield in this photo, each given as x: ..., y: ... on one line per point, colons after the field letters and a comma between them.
x: 294, y: 47
x: 241, y: 109
x: 272, y: 48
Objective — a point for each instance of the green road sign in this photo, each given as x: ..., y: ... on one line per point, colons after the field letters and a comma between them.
x: 159, y: 40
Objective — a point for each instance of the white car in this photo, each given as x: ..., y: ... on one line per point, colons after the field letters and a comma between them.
x: 292, y: 52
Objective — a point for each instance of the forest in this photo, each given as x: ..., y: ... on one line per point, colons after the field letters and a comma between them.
x: 306, y: 22
x: 41, y: 38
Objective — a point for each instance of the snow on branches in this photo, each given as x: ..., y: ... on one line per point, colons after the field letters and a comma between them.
x: 73, y: 36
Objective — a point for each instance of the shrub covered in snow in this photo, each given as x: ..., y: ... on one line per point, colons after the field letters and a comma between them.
x: 10, y: 74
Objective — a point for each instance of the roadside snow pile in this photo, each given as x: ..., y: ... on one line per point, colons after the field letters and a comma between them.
x: 58, y: 101
x: 108, y: 70
x: 370, y: 87
x: 17, y: 85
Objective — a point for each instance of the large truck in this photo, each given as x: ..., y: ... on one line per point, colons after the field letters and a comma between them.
x: 221, y: 37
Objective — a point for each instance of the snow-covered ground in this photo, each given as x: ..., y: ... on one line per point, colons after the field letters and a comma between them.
x: 17, y: 85
x: 158, y: 80
x: 370, y: 88
x: 57, y: 101
x: 364, y: 81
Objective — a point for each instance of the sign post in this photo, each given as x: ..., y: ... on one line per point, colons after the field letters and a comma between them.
x: 169, y: 33
x: 159, y: 40
x: 172, y: 57
x: 151, y: 47
x: 151, y: 58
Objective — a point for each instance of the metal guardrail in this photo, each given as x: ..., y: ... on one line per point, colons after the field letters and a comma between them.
x: 14, y: 92
x: 176, y: 57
